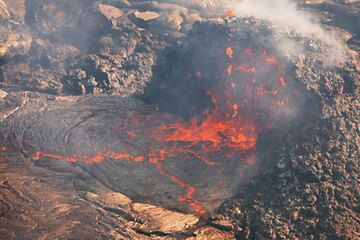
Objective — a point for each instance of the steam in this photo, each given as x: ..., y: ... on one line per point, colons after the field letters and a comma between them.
x: 285, y: 18
x: 281, y: 13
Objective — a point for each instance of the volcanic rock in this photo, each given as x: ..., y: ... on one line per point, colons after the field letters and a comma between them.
x: 211, y: 234
x: 162, y: 220
x: 123, y: 59
x: 146, y: 16
x: 17, y: 9
x: 14, y: 41
x: 2, y: 94
x: 94, y: 166
x: 4, y: 10
x: 111, y: 13
x: 202, y: 4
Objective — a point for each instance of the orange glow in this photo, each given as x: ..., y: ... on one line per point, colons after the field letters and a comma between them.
x: 71, y: 159
x: 132, y: 134
x: 261, y: 91
x: 243, y: 68
x: 248, y: 52
x: 281, y: 102
x: 229, y: 70
x: 227, y: 130
x: 230, y: 13
x: 229, y: 52
x: 269, y: 59
x: 190, y: 191
x: 3, y: 148
x: 235, y: 106
x: 217, y: 130
x: 218, y: 133
x: 282, y: 81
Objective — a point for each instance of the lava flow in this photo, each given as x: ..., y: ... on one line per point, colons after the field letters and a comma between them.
x: 227, y: 130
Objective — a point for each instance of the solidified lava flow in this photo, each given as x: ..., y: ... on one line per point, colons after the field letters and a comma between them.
x: 227, y: 130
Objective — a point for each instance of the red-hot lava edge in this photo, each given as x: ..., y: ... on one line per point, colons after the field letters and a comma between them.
x: 231, y: 125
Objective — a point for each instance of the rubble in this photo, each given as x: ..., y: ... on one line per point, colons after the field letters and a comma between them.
x: 210, y: 233
x: 111, y: 13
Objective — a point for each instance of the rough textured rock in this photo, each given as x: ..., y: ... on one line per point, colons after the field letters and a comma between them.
x: 105, y: 41
x: 14, y: 41
x: 37, y: 203
x: 113, y: 55
x: 111, y: 13
x: 146, y: 16
x: 163, y: 220
x: 210, y: 233
x: 310, y: 191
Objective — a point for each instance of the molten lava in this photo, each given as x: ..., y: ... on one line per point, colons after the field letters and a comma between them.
x: 227, y: 130
x: 229, y: 52
x: 216, y: 130
x: 230, y: 13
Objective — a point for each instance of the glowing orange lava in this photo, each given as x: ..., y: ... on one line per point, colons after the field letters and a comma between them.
x: 282, y: 81
x: 218, y: 133
x: 281, y: 102
x: 230, y: 13
x: 229, y: 126
x: 229, y: 52
x: 131, y: 134
x: 39, y: 154
x: 229, y: 69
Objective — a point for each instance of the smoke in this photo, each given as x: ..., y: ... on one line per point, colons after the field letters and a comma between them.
x: 288, y: 21
x: 281, y: 13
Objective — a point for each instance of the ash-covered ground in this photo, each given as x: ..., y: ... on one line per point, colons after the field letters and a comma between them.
x: 117, y: 120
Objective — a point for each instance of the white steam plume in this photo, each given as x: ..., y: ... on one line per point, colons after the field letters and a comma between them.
x: 284, y: 16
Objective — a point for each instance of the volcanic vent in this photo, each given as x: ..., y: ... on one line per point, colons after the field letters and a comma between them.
x: 231, y: 88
